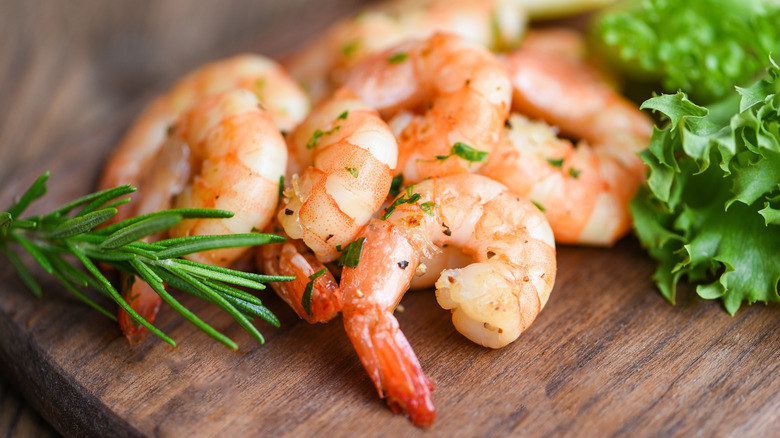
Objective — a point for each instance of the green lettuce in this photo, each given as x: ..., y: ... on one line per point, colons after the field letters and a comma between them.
x: 703, y: 47
x: 710, y: 211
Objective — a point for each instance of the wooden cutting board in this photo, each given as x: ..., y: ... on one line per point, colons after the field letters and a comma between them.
x: 607, y: 356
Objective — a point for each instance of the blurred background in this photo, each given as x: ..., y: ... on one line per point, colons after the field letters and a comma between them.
x: 78, y: 72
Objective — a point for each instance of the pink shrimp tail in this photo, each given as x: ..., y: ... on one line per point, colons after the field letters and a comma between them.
x: 292, y: 258
x: 144, y: 300
x: 392, y: 364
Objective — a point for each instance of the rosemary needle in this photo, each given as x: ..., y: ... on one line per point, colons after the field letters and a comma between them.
x: 47, y: 238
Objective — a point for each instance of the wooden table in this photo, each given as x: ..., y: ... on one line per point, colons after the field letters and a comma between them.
x: 608, y: 356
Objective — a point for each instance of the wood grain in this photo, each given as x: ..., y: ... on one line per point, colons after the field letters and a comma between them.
x: 607, y: 357
x: 17, y: 419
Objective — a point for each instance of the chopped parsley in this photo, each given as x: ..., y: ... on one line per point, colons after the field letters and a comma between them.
x: 574, y: 173
x: 428, y: 207
x: 555, y: 162
x: 395, y: 186
x: 306, y: 298
x: 351, y: 47
x: 319, y: 133
x: 407, y: 198
x: 464, y: 151
x: 398, y: 58
x: 281, y: 191
x: 350, y: 256
x: 352, y: 171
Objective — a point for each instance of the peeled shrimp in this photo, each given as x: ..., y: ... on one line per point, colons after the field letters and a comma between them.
x: 353, y: 154
x: 584, y: 190
x: 292, y: 258
x: 440, y: 93
x: 492, y: 300
x: 238, y: 158
x: 280, y: 95
x: 224, y: 153
x: 323, y: 65
x: 158, y: 163
x: 342, y: 161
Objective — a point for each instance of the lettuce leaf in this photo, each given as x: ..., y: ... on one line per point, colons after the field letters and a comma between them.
x: 710, y: 211
x: 703, y: 47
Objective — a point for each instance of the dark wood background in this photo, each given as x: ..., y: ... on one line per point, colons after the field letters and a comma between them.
x: 608, y: 356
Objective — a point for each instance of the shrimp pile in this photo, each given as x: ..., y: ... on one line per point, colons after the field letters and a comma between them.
x: 409, y: 97
x: 492, y: 299
x: 437, y: 93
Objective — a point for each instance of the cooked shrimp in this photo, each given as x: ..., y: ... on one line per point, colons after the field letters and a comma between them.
x: 224, y: 153
x: 561, y: 42
x: 238, y: 158
x: 280, y: 95
x: 352, y: 154
x: 443, y: 94
x: 147, y: 156
x: 323, y: 64
x: 492, y: 300
x: 584, y: 190
x: 569, y: 44
x: 293, y: 258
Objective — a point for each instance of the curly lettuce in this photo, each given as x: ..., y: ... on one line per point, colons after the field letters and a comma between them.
x: 710, y: 211
x: 703, y: 47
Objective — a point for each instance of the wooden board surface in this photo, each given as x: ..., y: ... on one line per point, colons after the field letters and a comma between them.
x: 608, y: 356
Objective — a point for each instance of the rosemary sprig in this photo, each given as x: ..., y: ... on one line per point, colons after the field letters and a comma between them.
x: 70, y: 231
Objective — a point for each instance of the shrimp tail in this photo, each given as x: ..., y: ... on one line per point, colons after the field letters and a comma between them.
x: 390, y: 361
x: 144, y: 300
x: 292, y: 258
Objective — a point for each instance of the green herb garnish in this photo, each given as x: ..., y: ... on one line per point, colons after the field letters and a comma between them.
x: 407, y: 198
x: 395, y: 185
x: 351, y: 47
x: 428, y: 207
x: 464, y: 151
x: 555, y: 162
x: 306, y: 298
x: 49, y: 237
x: 281, y: 192
x: 352, y: 171
x: 350, y: 256
x: 539, y: 206
x: 398, y: 58
x: 312, y: 143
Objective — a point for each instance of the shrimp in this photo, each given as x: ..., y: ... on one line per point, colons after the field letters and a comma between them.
x: 352, y: 154
x: 492, y: 300
x: 227, y: 154
x: 238, y: 157
x: 157, y: 164
x: 280, y: 95
x: 443, y: 95
x: 584, y: 190
x: 292, y: 258
x: 569, y: 44
x: 323, y: 64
